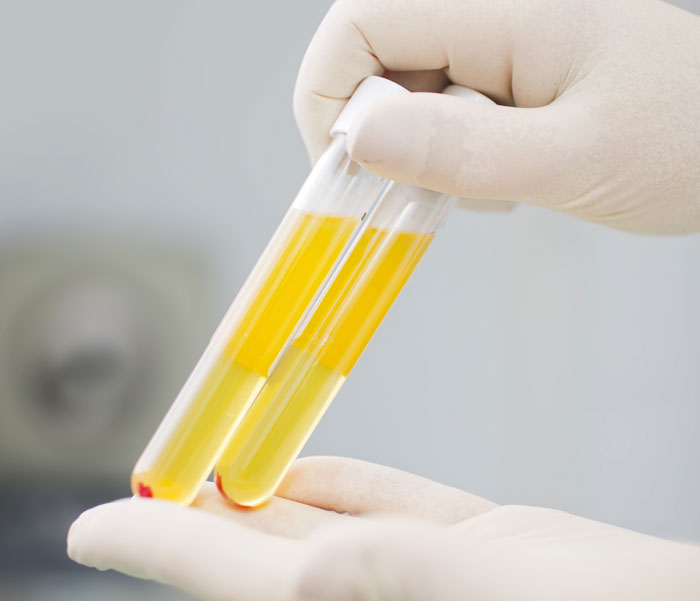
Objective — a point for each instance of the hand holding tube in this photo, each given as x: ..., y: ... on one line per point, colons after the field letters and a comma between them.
x: 599, y: 115
x: 405, y: 538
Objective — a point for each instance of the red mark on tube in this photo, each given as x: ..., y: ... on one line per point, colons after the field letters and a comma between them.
x: 220, y: 486
x: 145, y: 491
x: 225, y: 496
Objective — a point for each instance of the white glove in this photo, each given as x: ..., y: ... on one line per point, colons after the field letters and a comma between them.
x: 614, y: 137
x: 431, y: 542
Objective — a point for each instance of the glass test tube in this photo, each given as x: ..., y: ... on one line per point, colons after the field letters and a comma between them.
x: 325, y: 348
x: 328, y: 209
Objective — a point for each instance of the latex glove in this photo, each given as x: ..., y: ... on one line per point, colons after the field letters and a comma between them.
x: 607, y: 124
x: 432, y: 542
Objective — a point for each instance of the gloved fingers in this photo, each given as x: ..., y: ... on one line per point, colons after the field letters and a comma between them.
x: 278, y: 516
x: 358, y: 38
x: 549, y: 555
x: 359, y: 487
x: 194, y: 550
x: 541, y: 156
x: 510, y: 553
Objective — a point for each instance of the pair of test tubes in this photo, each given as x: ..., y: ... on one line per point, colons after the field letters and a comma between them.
x: 327, y: 278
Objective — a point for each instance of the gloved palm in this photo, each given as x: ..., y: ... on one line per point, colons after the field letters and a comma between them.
x: 405, y: 538
x: 601, y: 118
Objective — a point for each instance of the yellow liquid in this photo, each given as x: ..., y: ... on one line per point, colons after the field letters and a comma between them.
x: 313, y: 369
x: 186, y: 445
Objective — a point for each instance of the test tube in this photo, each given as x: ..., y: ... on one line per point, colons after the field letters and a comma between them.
x: 287, y: 278
x: 327, y: 345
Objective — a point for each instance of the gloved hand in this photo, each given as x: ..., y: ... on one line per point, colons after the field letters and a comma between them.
x: 600, y: 115
x: 405, y: 538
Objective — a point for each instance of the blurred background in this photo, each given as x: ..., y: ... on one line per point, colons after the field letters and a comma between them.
x: 147, y: 152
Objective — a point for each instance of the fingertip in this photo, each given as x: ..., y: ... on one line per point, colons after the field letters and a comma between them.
x: 315, y: 467
x: 95, y: 528
x: 79, y: 533
x: 72, y: 541
x: 382, y: 135
x: 398, y: 138
x: 302, y: 473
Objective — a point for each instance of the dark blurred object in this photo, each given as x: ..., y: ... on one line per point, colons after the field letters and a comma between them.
x: 83, y: 350
x: 35, y: 516
x: 95, y: 341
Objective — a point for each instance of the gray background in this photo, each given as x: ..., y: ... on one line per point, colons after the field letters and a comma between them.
x: 532, y: 358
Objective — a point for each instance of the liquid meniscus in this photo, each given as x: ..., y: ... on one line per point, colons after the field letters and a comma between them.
x: 313, y: 369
